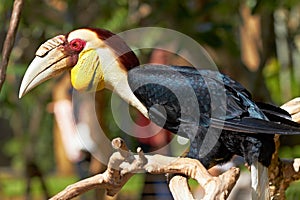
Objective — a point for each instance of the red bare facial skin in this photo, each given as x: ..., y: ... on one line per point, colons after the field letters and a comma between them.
x: 72, y: 49
x: 77, y: 45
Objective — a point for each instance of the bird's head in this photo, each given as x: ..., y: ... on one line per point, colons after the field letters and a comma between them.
x: 90, y: 55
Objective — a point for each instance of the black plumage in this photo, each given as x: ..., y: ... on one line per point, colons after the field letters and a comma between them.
x: 215, y: 112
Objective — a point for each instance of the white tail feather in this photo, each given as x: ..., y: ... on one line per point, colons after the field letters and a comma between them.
x: 259, y: 182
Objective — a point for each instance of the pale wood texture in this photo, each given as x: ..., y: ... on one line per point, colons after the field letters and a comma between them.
x: 282, y: 172
x: 124, y: 164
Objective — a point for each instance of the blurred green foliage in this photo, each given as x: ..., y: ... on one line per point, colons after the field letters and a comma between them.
x: 213, y: 23
x: 293, y: 191
x: 14, y: 187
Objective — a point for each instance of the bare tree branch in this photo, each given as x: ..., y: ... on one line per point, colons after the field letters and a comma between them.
x: 180, y: 182
x: 10, y: 39
x: 293, y: 108
x: 123, y: 164
x: 282, y: 172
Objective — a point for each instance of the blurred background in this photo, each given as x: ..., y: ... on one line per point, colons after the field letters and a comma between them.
x: 255, y: 42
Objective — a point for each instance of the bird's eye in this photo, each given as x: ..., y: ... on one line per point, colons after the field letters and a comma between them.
x: 77, y: 45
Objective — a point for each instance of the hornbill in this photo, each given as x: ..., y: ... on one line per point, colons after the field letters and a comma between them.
x: 208, y: 107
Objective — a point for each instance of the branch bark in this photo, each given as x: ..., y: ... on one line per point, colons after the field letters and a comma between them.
x: 10, y: 39
x: 124, y: 164
x: 282, y: 172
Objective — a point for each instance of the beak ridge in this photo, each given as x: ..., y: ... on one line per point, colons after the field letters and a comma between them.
x: 35, y: 74
x: 43, y: 68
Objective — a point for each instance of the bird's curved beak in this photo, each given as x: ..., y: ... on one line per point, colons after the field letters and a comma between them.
x: 51, y: 59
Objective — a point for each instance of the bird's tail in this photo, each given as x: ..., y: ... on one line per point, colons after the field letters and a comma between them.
x: 259, y: 182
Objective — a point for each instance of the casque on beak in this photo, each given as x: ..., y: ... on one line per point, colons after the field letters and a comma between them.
x: 51, y: 59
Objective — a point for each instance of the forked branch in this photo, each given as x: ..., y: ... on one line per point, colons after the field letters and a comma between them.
x: 124, y: 164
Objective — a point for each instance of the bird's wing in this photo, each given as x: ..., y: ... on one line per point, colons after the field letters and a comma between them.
x: 177, y: 96
x: 254, y: 125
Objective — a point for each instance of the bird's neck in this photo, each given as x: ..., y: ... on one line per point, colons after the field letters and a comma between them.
x: 124, y: 91
x: 115, y: 79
